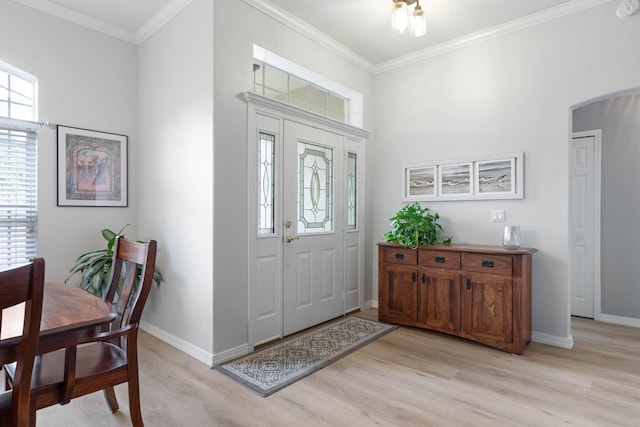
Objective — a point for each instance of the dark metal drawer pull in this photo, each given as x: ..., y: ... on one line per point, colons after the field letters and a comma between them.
x: 399, y: 256
x: 439, y: 259
x: 488, y: 264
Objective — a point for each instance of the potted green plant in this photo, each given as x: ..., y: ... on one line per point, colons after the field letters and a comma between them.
x: 95, y: 266
x: 414, y: 225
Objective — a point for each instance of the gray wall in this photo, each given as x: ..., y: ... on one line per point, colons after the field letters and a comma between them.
x: 619, y: 119
x: 176, y: 175
x: 512, y: 93
x: 237, y: 27
x: 88, y: 80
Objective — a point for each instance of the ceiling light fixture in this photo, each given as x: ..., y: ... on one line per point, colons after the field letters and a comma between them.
x: 402, y: 20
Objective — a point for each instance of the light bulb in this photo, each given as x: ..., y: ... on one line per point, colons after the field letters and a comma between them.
x: 418, y: 22
x: 400, y: 17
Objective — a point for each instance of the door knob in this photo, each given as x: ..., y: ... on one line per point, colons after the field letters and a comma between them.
x: 290, y: 239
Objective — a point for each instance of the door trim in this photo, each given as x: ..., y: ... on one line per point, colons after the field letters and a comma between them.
x: 597, y: 189
x: 354, y: 141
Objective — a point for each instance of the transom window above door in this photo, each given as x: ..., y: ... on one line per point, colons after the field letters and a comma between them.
x: 285, y: 81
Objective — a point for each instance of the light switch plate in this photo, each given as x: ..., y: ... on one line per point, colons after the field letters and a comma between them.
x: 497, y: 216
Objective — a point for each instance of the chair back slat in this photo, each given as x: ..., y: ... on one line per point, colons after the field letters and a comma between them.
x: 14, y: 289
x: 24, y: 284
x: 126, y: 292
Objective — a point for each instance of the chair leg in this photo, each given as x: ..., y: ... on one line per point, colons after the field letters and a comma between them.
x: 134, y: 401
x: 110, y: 397
x: 32, y: 414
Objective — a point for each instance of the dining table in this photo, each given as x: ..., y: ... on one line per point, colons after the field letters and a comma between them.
x: 70, y: 316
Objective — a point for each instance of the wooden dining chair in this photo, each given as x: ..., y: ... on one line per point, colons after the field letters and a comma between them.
x: 111, y: 357
x: 23, y: 284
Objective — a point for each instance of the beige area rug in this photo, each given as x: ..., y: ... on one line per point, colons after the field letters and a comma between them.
x: 273, y: 368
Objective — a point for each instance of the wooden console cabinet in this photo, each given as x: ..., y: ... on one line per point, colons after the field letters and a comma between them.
x: 482, y: 293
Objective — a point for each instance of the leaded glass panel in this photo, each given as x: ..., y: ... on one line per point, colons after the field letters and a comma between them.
x: 315, y: 186
x: 352, y: 180
x: 266, y: 156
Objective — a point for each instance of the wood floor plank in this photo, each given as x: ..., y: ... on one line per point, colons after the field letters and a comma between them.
x: 409, y: 377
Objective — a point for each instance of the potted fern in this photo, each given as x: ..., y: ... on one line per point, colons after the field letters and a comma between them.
x: 414, y: 225
x: 95, y: 266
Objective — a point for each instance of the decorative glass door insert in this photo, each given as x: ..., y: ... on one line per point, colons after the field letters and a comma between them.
x: 266, y: 149
x: 315, y: 199
x: 352, y: 192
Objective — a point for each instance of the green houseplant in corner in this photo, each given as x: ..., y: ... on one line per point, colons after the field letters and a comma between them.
x: 95, y: 266
x: 414, y: 225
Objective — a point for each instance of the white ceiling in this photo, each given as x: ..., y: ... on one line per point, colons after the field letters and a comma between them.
x: 362, y: 26
x: 125, y: 14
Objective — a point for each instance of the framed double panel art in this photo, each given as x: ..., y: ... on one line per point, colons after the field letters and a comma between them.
x: 92, y: 168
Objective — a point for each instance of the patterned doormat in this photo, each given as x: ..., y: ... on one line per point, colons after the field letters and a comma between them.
x: 273, y: 368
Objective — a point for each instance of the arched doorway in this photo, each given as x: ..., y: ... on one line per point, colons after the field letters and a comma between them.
x: 618, y: 116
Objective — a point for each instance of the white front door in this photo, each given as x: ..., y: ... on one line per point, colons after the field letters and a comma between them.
x: 584, y: 208
x: 313, y: 290
x: 305, y: 219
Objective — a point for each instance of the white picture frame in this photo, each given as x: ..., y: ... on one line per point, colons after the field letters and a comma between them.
x: 481, y: 178
x: 456, y: 180
x: 420, y: 182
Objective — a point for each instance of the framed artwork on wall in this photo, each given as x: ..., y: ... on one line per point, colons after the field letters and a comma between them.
x: 92, y: 168
x: 455, y: 180
x: 487, y: 177
x: 420, y: 182
x: 495, y: 177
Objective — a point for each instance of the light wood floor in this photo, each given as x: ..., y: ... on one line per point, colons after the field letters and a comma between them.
x: 409, y: 377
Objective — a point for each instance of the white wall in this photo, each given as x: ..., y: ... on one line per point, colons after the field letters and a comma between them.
x: 237, y: 27
x: 188, y: 184
x: 86, y: 80
x: 176, y: 176
x: 513, y: 93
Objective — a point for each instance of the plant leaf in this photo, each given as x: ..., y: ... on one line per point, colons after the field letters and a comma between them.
x: 414, y: 225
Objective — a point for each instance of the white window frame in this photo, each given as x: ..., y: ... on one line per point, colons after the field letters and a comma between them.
x: 355, y: 115
x: 18, y: 180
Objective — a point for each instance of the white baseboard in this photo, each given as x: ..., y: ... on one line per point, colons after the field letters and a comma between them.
x: 193, y: 351
x: 370, y: 304
x: 230, y: 354
x: 564, y: 342
x: 618, y: 320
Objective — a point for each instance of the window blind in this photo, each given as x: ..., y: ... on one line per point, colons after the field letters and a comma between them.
x: 18, y: 194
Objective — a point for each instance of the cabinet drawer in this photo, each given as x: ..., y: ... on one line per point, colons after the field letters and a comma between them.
x: 492, y: 264
x: 439, y: 259
x: 399, y: 255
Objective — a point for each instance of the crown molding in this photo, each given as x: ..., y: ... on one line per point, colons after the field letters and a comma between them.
x: 151, y: 26
x: 160, y: 19
x: 545, y: 15
x: 309, y: 31
x: 304, y: 28
x: 78, y: 18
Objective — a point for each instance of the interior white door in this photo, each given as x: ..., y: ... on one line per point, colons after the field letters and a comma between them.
x: 313, y: 290
x: 584, y: 206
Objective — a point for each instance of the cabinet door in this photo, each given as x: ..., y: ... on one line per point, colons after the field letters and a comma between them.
x: 487, y: 308
x: 439, y: 299
x: 398, y: 293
